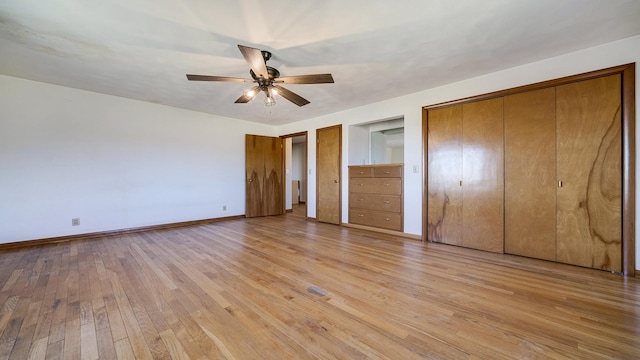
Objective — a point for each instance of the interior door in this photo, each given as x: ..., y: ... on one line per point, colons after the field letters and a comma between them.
x: 483, y: 175
x: 530, y: 174
x: 264, y: 181
x: 590, y: 173
x: 328, y: 174
x: 444, y: 161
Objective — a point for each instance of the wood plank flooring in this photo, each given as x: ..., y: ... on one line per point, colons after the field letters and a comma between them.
x: 286, y: 288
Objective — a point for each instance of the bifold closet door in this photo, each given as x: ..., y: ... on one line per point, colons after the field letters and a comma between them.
x: 589, y: 173
x: 530, y: 174
x: 483, y: 175
x: 444, y: 162
x: 465, y: 175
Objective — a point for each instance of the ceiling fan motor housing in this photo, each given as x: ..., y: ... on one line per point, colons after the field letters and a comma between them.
x: 273, y: 73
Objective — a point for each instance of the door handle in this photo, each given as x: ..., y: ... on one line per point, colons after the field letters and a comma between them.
x: 335, y: 181
x: 249, y: 180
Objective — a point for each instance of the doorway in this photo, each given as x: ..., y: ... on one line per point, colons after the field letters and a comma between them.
x: 295, y: 164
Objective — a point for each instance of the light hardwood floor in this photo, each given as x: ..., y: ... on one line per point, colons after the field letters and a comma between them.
x: 286, y: 288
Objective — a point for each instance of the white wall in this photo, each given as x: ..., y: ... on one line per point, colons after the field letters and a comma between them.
x: 358, y: 153
x: 410, y: 106
x: 378, y: 148
x: 298, y: 152
x: 112, y: 162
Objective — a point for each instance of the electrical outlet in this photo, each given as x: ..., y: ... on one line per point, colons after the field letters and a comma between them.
x: 224, y: 207
x: 75, y: 222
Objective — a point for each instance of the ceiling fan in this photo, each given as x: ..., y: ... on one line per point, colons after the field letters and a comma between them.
x: 267, y: 79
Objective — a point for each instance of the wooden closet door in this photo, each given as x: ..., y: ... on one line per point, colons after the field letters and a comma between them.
x: 483, y: 175
x: 530, y: 174
x: 328, y: 174
x: 263, y: 162
x: 444, y: 164
x: 589, y: 166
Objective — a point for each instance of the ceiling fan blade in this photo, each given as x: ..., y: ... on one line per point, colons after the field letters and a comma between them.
x: 306, y: 79
x: 255, y: 60
x: 216, y: 78
x: 245, y: 98
x: 291, y: 96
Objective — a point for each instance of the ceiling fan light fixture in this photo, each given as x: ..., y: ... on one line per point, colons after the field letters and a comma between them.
x: 268, y: 99
x: 250, y: 93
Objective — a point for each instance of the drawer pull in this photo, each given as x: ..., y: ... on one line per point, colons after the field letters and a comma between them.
x: 387, y: 219
x: 360, y: 215
x: 387, y: 172
x: 387, y: 184
x: 360, y: 184
x: 361, y: 172
x: 360, y: 199
x: 387, y: 201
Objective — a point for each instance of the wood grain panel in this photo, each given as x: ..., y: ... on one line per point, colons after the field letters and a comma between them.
x: 376, y: 186
x: 444, y: 168
x: 387, y: 171
x: 385, y: 220
x: 589, y: 166
x: 263, y: 159
x: 483, y: 175
x: 274, y: 177
x: 254, y: 176
x: 391, y: 203
x: 328, y: 174
x: 530, y: 174
x: 360, y: 171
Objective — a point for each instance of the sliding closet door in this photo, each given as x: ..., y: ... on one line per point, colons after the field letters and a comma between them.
x: 483, y: 175
x: 444, y: 161
x: 589, y: 169
x: 530, y: 174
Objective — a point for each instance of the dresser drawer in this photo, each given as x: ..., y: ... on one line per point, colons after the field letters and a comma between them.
x: 390, y: 203
x: 382, y: 186
x: 387, y: 171
x: 360, y: 171
x: 380, y: 219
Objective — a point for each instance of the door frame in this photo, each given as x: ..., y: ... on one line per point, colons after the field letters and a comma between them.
x: 304, y: 172
x: 628, y: 112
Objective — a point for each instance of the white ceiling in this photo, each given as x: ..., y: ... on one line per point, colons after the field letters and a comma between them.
x: 375, y: 49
